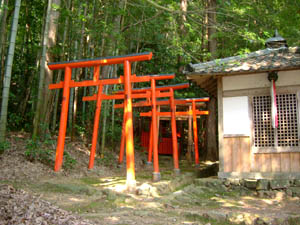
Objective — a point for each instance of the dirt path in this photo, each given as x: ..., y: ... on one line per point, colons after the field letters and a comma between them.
x: 31, y: 193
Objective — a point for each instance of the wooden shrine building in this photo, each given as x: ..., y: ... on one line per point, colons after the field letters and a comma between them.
x: 255, y: 142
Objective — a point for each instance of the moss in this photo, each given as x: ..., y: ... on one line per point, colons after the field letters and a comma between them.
x: 203, y: 219
x: 92, y: 206
x: 91, y: 180
x: 65, y: 188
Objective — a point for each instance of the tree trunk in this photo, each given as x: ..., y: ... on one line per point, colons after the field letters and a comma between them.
x: 8, y: 69
x: 40, y: 101
x: 66, y: 28
x: 212, y: 20
x: 79, y: 71
x: 183, y: 8
x: 49, y: 94
x: 211, y: 129
x: 2, y: 40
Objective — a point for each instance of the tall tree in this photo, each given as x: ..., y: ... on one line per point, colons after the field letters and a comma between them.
x: 45, y: 77
x: 8, y: 69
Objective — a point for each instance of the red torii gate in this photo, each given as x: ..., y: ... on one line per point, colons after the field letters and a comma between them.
x: 159, y: 92
x: 127, y: 79
x: 194, y: 112
x: 147, y: 93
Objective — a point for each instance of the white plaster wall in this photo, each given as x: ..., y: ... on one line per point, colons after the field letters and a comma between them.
x: 260, y: 80
x: 236, y: 115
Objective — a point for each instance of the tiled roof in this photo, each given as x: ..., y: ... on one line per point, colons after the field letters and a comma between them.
x: 263, y: 60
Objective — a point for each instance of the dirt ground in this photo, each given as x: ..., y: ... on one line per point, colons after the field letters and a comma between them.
x: 31, y: 193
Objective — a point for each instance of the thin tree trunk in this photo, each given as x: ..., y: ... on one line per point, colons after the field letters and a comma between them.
x: 212, y: 41
x: 2, y: 39
x: 105, y: 109
x: 39, y: 107
x: 48, y: 95
x: 183, y: 9
x: 71, y: 104
x: 66, y: 26
x: 8, y: 69
x: 78, y: 74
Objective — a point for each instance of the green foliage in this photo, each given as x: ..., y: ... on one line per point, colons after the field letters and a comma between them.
x: 107, y: 159
x: 40, y: 151
x: 4, y: 146
x: 69, y: 161
x: 136, y: 26
x: 35, y: 151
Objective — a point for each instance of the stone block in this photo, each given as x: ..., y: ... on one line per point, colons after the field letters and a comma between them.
x: 262, y: 184
x: 279, y: 184
x: 251, y: 184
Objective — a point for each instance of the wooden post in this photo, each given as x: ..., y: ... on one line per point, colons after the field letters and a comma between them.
x: 220, y: 124
x: 130, y: 176
x: 150, y: 147
x: 63, y: 120
x: 96, y: 120
x: 190, y: 137
x: 174, y: 133
x: 122, y: 145
x: 195, y: 133
x: 156, y: 173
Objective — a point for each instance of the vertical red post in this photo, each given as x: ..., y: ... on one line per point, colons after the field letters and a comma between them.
x: 156, y: 173
x: 174, y: 133
x: 63, y: 120
x: 122, y: 145
x: 96, y: 120
x: 150, y: 147
x: 195, y: 133
x: 130, y: 176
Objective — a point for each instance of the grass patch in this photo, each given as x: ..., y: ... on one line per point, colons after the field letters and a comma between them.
x: 91, y: 180
x: 93, y: 206
x: 199, y: 218
x: 65, y: 188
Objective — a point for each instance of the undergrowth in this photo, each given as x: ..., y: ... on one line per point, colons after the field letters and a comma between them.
x: 43, y: 152
x: 4, y: 146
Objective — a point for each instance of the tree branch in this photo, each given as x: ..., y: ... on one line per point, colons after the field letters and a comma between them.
x: 162, y: 7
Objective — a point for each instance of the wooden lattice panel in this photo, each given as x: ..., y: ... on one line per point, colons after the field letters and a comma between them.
x: 263, y: 131
x: 287, y: 131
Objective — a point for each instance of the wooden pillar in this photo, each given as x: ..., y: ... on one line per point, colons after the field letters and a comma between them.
x: 122, y: 145
x: 156, y: 173
x: 190, y: 137
x: 150, y: 147
x: 195, y: 133
x: 130, y: 176
x: 63, y: 120
x: 220, y: 124
x: 96, y: 120
x: 174, y: 133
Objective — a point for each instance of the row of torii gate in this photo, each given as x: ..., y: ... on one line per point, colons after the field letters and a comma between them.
x: 152, y: 96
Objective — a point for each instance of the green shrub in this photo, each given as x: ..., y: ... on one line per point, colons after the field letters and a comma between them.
x: 69, y: 162
x: 35, y: 151
x: 4, y: 146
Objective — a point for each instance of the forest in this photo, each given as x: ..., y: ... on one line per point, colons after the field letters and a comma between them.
x: 177, y: 32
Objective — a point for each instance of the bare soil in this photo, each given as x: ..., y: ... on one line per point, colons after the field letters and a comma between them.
x: 32, y: 193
